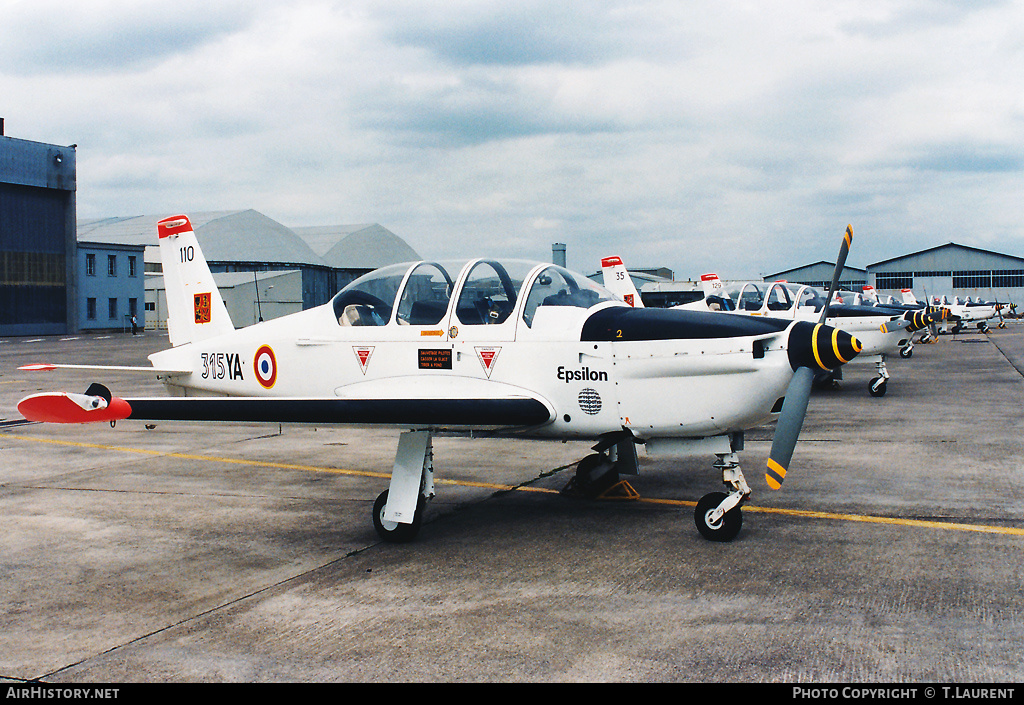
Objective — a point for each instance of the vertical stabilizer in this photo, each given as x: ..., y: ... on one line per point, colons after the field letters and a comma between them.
x: 711, y: 285
x: 195, y: 310
x: 618, y: 281
x: 908, y: 296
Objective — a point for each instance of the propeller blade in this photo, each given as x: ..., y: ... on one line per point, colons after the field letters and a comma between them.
x: 791, y: 420
x: 812, y: 347
x: 844, y: 250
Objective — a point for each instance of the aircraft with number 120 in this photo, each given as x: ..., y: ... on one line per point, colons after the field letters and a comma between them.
x: 503, y: 348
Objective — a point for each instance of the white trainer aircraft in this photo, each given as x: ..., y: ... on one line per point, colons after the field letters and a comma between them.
x: 489, y: 347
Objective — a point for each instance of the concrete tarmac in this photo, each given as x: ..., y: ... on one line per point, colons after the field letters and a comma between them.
x: 245, y: 553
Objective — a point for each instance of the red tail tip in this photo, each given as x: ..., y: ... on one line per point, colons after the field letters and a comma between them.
x: 173, y: 225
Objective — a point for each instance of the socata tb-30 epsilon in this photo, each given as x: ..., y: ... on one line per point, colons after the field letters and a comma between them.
x: 506, y: 348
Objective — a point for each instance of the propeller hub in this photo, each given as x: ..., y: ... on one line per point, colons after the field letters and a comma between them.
x: 821, y: 347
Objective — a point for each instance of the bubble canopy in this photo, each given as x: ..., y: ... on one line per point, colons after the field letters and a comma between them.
x: 485, y: 292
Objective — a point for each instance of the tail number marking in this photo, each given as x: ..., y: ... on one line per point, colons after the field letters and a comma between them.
x: 222, y: 366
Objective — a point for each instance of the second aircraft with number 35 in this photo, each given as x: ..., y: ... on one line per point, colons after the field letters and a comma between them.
x: 491, y: 347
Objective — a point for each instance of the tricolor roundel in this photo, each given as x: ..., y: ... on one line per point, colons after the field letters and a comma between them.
x: 265, y: 366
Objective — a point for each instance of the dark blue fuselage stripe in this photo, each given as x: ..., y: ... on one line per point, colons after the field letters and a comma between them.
x: 440, y: 412
x: 634, y: 324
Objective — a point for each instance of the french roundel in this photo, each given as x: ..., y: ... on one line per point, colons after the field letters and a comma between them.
x: 265, y: 366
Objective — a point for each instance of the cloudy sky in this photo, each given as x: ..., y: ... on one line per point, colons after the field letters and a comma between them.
x: 703, y: 135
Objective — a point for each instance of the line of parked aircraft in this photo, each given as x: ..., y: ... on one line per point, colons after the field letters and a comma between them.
x: 884, y: 325
x: 505, y: 348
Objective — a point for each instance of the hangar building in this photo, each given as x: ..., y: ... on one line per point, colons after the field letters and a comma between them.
x: 319, y: 261
x: 819, y: 275
x: 952, y: 270
x: 38, y: 284
x: 111, y: 286
x: 945, y: 270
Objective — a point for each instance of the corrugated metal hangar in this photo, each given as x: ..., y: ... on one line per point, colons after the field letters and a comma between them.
x: 819, y: 275
x: 950, y: 270
x: 326, y: 258
x: 38, y: 286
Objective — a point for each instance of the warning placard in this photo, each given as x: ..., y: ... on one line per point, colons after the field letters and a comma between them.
x: 434, y: 359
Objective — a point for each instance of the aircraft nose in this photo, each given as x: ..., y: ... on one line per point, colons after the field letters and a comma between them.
x: 821, y: 347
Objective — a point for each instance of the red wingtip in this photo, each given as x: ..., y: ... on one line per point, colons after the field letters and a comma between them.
x: 61, y: 407
x: 38, y: 367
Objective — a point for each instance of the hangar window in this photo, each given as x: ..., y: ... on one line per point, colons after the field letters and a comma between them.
x: 1011, y: 278
x: 972, y: 279
x: 90, y: 265
x: 894, y: 280
x: 489, y: 294
x: 425, y: 298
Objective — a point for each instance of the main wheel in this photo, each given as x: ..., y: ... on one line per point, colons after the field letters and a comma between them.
x: 906, y: 353
x: 726, y: 528
x: 393, y: 531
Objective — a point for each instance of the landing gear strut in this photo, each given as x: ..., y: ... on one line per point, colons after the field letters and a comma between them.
x: 877, y: 387
x: 398, y: 511
x: 717, y: 515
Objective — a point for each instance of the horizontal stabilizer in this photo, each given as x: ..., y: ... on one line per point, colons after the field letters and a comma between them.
x: 49, y: 367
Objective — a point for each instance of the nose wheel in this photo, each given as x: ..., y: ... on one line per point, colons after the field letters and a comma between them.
x: 717, y: 515
x: 714, y: 524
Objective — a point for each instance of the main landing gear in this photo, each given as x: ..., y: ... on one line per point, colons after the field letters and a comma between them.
x: 398, y: 511
x: 597, y: 475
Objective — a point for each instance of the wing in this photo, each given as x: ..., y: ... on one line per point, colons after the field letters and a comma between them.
x: 476, y: 413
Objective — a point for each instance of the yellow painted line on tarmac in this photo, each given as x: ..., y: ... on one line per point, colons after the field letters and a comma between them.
x: 208, y: 458
x: 863, y: 518
x: 803, y: 513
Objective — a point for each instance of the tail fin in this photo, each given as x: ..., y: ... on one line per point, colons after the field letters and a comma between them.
x: 908, y: 296
x: 195, y: 308
x: 714, y: 293
x: 711, y: 284
x: 869, y: 293
x: 617, y: 281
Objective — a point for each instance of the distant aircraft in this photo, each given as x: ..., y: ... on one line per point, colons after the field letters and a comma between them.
x: 881, y: 330
x: 489, y: 347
